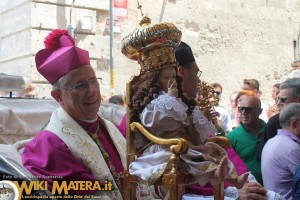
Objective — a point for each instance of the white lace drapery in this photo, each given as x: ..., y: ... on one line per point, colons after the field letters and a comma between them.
x: 203, y: 126
x: 171, y: 107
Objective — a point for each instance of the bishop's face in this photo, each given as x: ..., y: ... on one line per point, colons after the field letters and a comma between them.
x: 80, y: 97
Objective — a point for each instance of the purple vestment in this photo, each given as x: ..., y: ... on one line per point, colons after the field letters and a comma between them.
x: 47, y: 156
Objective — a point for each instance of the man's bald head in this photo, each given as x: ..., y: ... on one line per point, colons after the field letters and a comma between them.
x: 252, y: 101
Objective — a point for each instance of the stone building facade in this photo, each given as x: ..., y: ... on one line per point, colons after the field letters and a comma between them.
x: 231, y: 39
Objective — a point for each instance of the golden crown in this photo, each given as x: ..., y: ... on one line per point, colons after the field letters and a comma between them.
x: 152, y: 45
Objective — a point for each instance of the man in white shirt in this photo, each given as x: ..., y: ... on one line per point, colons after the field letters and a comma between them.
x: 224, y: 117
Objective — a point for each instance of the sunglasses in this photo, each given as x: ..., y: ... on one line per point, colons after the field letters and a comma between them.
x: 245, y: 109
x: 281, y: 100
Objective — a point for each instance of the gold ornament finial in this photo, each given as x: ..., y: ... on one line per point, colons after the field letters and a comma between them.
x: 145, y: 21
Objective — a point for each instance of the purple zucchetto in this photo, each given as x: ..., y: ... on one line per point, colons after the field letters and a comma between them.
x: 60, y: 56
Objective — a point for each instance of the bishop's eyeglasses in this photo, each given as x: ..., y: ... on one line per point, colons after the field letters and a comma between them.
x: 83, y: 86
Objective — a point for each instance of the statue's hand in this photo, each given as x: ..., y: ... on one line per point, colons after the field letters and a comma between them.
x: 172, y: 89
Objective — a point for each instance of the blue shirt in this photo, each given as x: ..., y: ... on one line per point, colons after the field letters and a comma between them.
x: 280, y: 157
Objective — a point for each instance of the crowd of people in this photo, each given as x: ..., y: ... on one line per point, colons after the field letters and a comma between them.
x: 261, y: 163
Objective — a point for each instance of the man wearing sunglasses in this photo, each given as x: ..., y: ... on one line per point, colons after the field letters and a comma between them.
x: 245, y: 138
x: 289, y: 92
x: 224, y: 117
x: 253, y: 86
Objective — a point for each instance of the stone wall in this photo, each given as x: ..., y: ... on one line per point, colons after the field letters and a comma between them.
x: 15, y: 37
x: 231, y: 39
